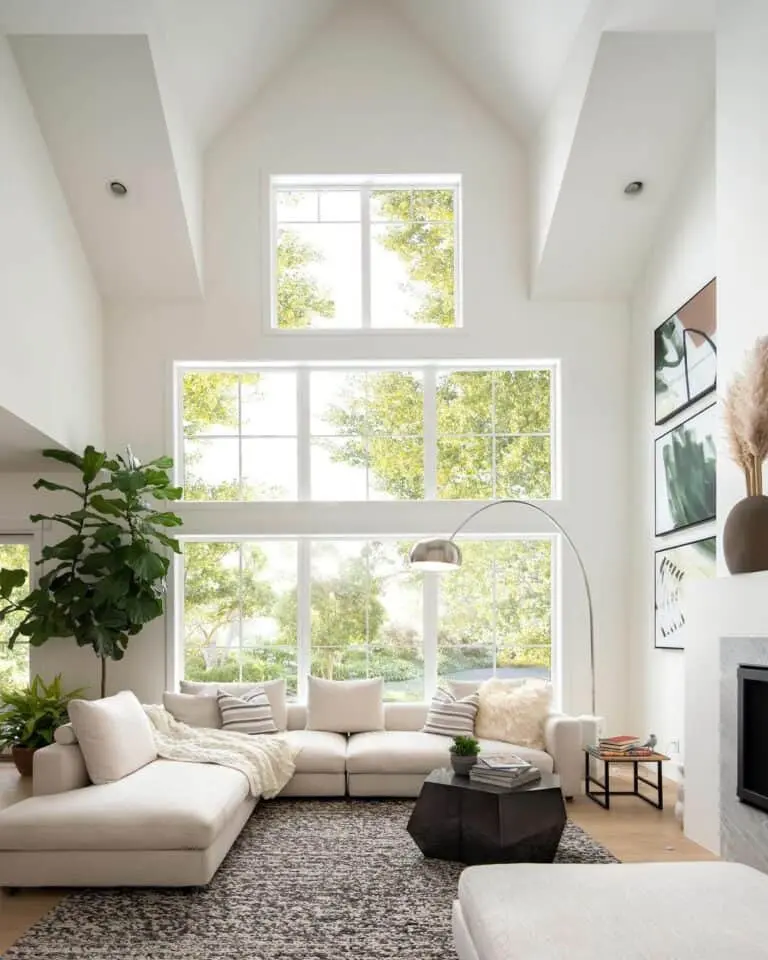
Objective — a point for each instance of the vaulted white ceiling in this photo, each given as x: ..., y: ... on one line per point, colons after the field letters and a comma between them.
x: 511, y: 52
x: 137, y: 89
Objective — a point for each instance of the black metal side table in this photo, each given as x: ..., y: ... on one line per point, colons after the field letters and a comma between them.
x: 602, y: 797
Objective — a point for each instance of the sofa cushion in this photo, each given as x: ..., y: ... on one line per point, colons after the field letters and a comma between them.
x: 345, y: 706
x: 250, y: 713
x: 321, y: 751
x: 165, y: 805
x: 450, y: 716
x: 512, y: 713
x: 405, y: 716
x: 274, y: 689
x: 196, y: 710
x: 114, y: 734
x: 411, y: 751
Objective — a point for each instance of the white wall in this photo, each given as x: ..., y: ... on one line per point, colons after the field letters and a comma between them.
x: 742, y: 202
x: 50, y: 313
x: 682, y: 261
x: 365, y: 96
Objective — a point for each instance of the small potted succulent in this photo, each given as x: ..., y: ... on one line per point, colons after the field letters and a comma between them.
x: 29, y: 717
x: 464, y: 751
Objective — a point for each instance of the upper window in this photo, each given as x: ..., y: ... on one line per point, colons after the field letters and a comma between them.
x: 415, y: 432
x: 365, y: 253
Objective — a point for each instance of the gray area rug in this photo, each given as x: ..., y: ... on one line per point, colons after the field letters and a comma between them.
x: 307, y: 880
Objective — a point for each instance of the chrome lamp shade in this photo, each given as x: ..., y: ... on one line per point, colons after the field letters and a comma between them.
x: 439, y: 556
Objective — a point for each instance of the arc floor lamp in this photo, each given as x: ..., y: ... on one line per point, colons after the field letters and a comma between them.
x: 443, y: 555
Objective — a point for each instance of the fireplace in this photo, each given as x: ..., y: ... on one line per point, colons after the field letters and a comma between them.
x: 752, y: 770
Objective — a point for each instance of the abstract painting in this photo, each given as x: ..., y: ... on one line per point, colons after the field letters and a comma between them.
x: 685, y: 354
x: 686, y: 473
x: 676, y: 567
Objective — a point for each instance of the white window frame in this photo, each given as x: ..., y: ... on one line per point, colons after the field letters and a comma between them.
x: 363, y: 184
x: 430, y: 605
x: 429, y: 370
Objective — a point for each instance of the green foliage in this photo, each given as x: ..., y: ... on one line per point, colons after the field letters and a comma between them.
x: 14, y: 663
x: 106, y: 578
x: 421, y: 233
x: 489, y: 422
x: 465, y: 747
x: 30, y: 716
x: 299, y: 297
x: 500, y: 594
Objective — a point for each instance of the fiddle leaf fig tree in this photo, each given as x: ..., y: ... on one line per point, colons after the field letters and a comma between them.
x: 106, y: 577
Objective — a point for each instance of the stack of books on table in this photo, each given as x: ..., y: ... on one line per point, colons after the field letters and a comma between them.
x: 504, y: 770
x: 619, y: 747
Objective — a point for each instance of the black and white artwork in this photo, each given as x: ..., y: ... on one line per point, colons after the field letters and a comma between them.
x: 685, y: 354
x: 686, y: 461
x: 676, y: 568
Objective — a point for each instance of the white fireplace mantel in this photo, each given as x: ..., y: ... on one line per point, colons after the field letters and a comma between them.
x: 719, y: 609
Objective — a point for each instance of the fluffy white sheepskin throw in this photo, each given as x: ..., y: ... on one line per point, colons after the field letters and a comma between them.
x: 513, y: 712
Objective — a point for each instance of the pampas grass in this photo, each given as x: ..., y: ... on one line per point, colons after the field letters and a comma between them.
x: 746, y: 417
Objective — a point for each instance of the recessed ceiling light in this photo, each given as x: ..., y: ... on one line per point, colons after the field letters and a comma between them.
x: 117, y: 188
x: 634, y: 187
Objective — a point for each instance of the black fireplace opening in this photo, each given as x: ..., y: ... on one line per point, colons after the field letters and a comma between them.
x: 752, y: 787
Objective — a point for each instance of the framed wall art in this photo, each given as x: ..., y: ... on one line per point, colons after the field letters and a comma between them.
x: 676, y: 568
x: 685, y: 354
x: 685, y: 473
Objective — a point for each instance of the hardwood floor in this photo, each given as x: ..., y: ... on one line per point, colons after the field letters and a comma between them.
x: 635, y: 831
x: 631, y: 830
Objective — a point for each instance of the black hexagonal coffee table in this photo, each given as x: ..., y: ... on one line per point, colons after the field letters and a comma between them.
x: 456, y: 819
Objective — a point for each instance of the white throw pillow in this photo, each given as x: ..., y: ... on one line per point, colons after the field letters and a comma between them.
x: 451, y: 716
x: 345, y: 706
x: 513, y: 713
x: 462, y: 688
x: 196, y: 710
x: 274, y: 689
x: 115, y: 736
x: 250, y: 713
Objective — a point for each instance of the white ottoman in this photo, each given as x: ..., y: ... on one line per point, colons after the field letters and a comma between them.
x: 625, y: 911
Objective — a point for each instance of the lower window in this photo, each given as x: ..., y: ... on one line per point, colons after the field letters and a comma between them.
x: 351, y: 608
x: 14, y: 664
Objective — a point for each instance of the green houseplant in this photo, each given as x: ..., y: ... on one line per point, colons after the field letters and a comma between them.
x: 29, y: 717
x: 106, y: 577
x: 464, y: 751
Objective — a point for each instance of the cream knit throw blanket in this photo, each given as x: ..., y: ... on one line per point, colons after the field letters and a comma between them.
x: 266, y: 761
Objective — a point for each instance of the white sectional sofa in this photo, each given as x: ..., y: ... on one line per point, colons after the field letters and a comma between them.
x: 171, y: 824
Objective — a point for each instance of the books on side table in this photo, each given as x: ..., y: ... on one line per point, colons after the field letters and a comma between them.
x: 620, y: 747
x: 504, y: 770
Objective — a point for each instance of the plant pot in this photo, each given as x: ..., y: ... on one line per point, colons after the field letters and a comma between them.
x: 462, y: 765
x: 23, y: 758
x: 745, y: 536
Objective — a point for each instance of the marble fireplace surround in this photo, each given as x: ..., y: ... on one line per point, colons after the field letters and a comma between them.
x: 727, y: 626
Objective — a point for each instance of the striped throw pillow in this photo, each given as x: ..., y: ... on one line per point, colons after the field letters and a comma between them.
x: 450, y: 716
x: 250, y: 713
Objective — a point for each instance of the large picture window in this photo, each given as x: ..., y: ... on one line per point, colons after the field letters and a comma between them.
x: 459, y: 432
x: 14, y: 664
x: 351, y: 608
x: 365, y: 252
